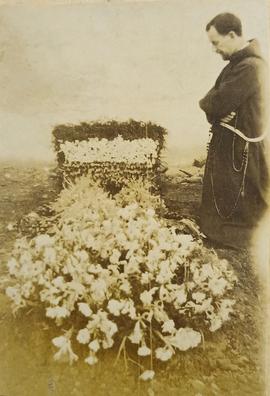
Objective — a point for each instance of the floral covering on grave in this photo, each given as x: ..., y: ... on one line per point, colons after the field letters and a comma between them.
x: 110, y: 272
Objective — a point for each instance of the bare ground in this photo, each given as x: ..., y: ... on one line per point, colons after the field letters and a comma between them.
x: 228, y: 363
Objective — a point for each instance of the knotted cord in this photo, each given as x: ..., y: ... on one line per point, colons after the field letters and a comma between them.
x: 242, y: 168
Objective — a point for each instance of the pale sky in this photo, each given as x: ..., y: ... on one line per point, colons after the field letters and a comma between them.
x: 147, y: 60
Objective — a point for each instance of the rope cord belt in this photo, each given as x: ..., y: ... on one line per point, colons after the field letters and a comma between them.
x: 241, y: 134
x: 242, y: 168
x: 240, y: 191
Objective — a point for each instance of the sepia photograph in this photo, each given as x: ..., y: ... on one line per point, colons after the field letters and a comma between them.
x: 134, y: 198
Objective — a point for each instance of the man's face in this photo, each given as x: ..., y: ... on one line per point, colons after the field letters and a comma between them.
x: 222, y: 44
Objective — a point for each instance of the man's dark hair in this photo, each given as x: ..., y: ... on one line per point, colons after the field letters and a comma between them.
x: 225, y: 23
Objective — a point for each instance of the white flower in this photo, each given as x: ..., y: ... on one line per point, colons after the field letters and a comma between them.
x: 60, y: 341
x: 217, y: 286
x: 216, y: 323
x: 26, y: 260
x: 43, y: 240
x: 150, y: 212
x: 198, y: 297
x: 163, y: 354
x: 115, y: 306
x: 121, y: 238
x: 160, y: 314
x: 146, y: 277
x: 143, y: 151
x: 108, y: 327
x: 132, y: 266
x: 147, y: 315
x: 204, y: 307
x: 65, y: 350
x: 185, y: 338
x: 98, y: 289
x: 82, y: 255
x: 66, y: 354
x: 144, y: 351
x: 165, y: 273
x: 15, y: 295
x: 57, y: 312
x: 168, y: 326
x: 165, y: 294
x: 83, y: 336
x: 114, y: 258
x: 136, y: 336
x: 147, y: 375
x: 77, y: 287
x: 146, y: 297
x: 11, y: 291
x: 207, y: 271
x: 181, y: 297
x: 190, y: 285
x: 107, y: 343
x: 95, y: 268
x: 12, y: 266
x: 113, y: 328
x: 94, y: 346
x: 129, y: 309
x: 85, y: 309
x: 10, y: 227
x: 91, y: 360
x: 225, y: 309
x: 155, y: 255
x: 125, y: 287
x: 185, y: 241
x: 125, y: 213
x: 49, y: 254
x: 59, y: 282
x: 26, y: 289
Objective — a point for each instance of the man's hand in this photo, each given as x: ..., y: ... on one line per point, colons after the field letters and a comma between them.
x: 228, y: 117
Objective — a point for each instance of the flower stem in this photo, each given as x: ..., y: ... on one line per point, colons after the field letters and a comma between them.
x: 203, y: 343
x: 151, y: 345
x: 137, y: 364
x: 122, y: 346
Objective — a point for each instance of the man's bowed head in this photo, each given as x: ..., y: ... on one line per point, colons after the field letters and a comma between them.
x: 225, y: 33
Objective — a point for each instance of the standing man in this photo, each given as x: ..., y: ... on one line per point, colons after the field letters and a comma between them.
x: 236, y: 176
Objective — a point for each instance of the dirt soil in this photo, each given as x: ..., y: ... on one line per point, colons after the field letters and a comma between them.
x: 230, y: 362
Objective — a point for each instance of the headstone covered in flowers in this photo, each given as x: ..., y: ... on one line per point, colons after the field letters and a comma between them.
x: 111, y: 152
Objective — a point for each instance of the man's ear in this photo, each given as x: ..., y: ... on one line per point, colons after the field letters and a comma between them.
x: 232, y: 34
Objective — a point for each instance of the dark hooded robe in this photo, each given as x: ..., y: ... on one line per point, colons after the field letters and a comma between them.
x: 235, y: 185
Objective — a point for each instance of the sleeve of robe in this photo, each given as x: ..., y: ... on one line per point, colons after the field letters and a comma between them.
x: 238, y: 86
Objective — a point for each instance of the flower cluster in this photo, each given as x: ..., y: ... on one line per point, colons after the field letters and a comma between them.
x: 110, y: 129
x: 111, y: 152
x: 112, y: 162
x: 109, y: 175
x: 117, y: 150
x: 113, y: 263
